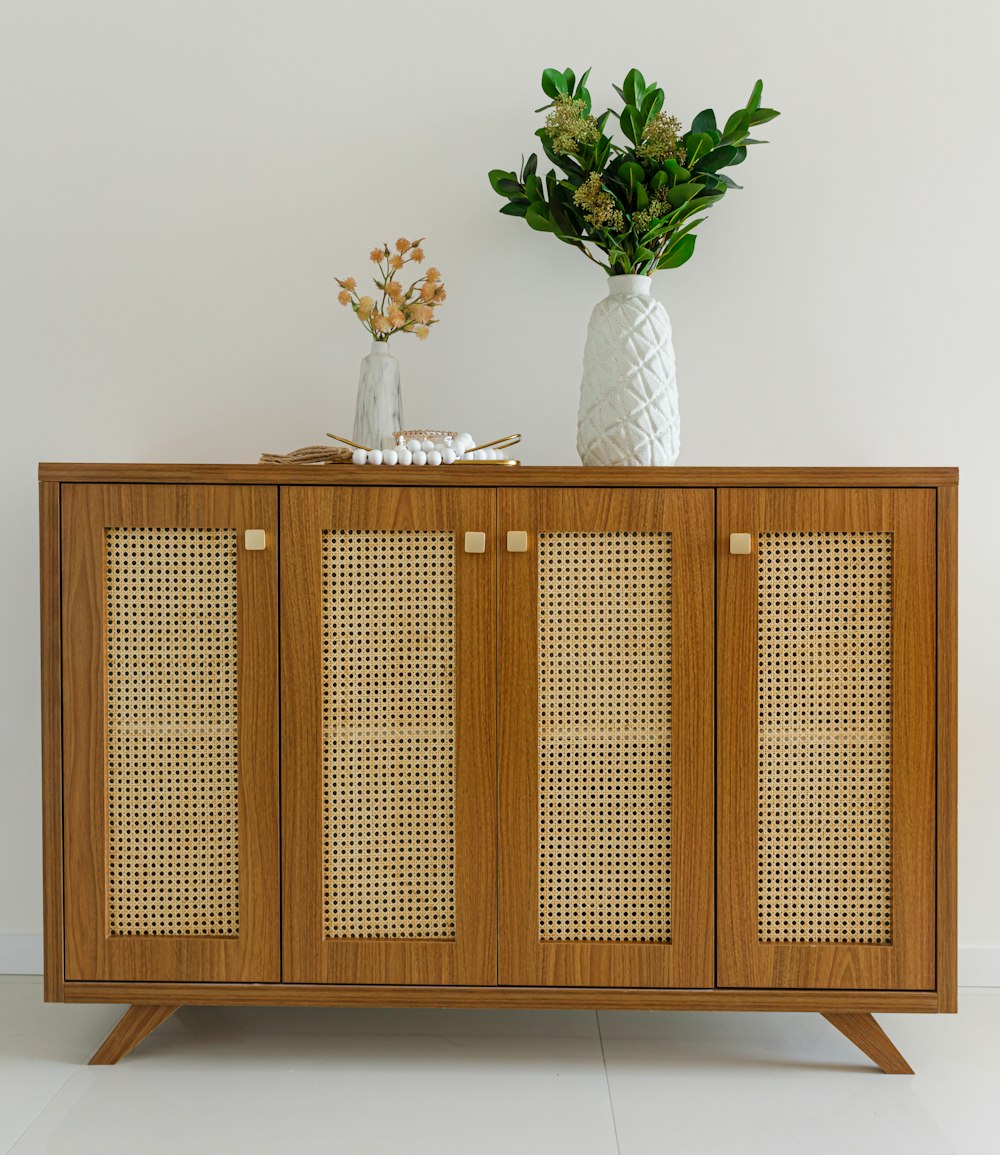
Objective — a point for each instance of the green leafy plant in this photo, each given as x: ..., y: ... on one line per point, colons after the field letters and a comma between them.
x: 637, y: 204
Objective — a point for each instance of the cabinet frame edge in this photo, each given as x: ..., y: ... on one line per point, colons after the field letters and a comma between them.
x: 947, y: 749
x: 50, y: 563
x: 589, y: 998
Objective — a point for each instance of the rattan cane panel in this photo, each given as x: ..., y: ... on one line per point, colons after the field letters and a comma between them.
x: 604, y: 671
x: 389, y: 734
x: 824, y: 737
x: 172, y: 777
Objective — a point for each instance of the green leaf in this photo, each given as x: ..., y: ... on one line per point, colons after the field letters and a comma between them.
x: 569, y: 79
x: 728, y: 181
x: 635, y: 87
x: 677, y: 253
x: 642, y: 254
x: 763, y: 115
x: 533, y: 187
x: 631, y: 174
x: 620, y: 92
x: 538, y: 217
x: 678, y: 173
x: 652, y: 102
x: 683, y: 192
x: 602, y: 120
x: 718, y: 158
x: 641, y: 197
x: 736, y: 126
x: 741, y: 155
x: 515, y: 209
x: 583, y: 83
x: 658, y: 180
x: 696, y: 144
x: 553, y: 83
x: 530, y: 165
x: 704, y: 121
x: 499, y: 176
x: 632, y: 123
x: 754, y: 102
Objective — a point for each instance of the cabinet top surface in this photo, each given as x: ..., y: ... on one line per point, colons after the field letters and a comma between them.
x: 497, y: 475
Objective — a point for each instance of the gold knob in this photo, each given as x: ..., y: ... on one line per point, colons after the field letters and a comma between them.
x: 475, y: 542
x: 254, y: 539
x: 517, y: 541
x: 739, y: 543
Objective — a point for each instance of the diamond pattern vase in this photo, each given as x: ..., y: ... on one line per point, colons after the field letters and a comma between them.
x: 628, y: 396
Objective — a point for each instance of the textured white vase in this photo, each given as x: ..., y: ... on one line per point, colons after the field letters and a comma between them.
x: 379, y: 409
x: 628, y: 396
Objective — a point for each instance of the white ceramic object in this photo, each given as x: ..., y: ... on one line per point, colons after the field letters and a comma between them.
x: 628, y: 397
x: 378, y: 412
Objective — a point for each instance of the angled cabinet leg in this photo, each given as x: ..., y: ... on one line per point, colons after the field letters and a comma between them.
x: 137, y: 1022
x: 869, y: 1037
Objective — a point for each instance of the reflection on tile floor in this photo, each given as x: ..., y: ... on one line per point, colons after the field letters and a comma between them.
x: 477, y: 1082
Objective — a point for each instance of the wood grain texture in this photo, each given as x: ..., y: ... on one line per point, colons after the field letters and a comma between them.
x: 499, y: 476
x: 308, y: 955
x: 687, y: 959
x: 947, y: 749
x: 869, y: 1037
x: 589, y: 998
x: 138, y: 1021
x: 909, y: 961
x: 91, y: 951
x: 52, y: 802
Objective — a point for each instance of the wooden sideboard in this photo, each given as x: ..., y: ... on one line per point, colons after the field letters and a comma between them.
x: 512, y: 737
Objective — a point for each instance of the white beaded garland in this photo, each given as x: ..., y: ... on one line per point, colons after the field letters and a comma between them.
x: 390, y: 456
x: 433, y: 457
x: 375, y: 457
x: 405, y: 456
x: 419, y: 457
x: 359, y: 456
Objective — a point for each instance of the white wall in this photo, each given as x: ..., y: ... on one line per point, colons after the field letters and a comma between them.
x: 181, y: 179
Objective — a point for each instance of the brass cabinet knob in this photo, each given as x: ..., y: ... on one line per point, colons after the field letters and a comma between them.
x: 254, y: 539
x: 517, y: 541
x: 739, y: 543
x: 475, y: 542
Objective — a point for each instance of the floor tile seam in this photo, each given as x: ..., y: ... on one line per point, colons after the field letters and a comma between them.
x: 74, y: 1071
x: 607, y: 1084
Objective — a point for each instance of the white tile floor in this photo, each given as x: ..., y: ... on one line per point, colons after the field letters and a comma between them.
x: 359, y: 1082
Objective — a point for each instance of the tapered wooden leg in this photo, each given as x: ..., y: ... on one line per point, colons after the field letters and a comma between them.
x: 869, y: 1037
x: 137, y: 1022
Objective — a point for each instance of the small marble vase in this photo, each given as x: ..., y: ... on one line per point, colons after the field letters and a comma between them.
x: 379, y: 410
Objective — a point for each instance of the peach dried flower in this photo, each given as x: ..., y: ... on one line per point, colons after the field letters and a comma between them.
x: 433, y: 274
x: 397, y: 318
x: 402, y: 244
x: 394, y: 289
x: 417, y: 255
x: 344, y: 297
x: 348, y: 283
x: 365, y: 306
x: 427, y: 290
x: 421, y: 332
x: 395, y: 261
x: 376, y: 255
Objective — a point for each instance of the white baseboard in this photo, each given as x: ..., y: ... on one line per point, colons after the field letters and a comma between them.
x: 21, y: 954
x: 979, y: 966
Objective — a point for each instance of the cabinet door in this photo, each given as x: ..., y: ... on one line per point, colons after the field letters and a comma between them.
x: 826, y: 739
x: 606, y: 660
x: 388, y: 721
x: 170, y: 758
